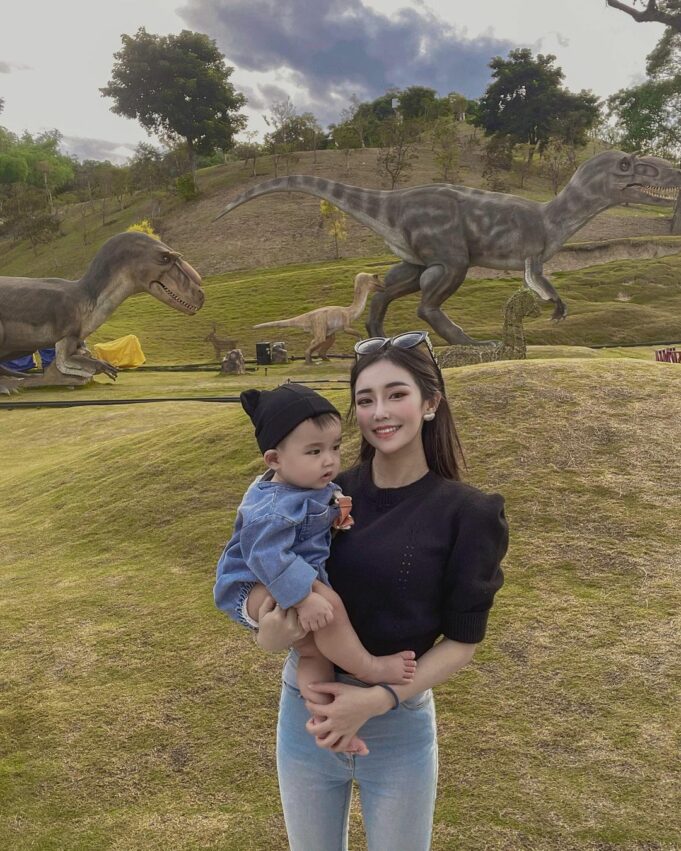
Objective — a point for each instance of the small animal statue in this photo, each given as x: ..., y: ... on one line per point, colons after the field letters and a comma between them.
x: 325, y: 322
x: 279, y: 353
x: 512, y: 347
x: 234, y: 363
x: 219, y: 344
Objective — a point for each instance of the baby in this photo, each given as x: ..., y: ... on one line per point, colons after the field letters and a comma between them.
x: 282, y: 536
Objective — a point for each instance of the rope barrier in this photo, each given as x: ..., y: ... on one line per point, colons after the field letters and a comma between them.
x: 84, y: 403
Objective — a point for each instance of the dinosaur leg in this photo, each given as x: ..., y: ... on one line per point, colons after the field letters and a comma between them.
x: 400, y: 280
x: 540, y: 284
x: 437, y: 283
x: 71, y: 359
x: 320, y: 335
x: 325, y: 346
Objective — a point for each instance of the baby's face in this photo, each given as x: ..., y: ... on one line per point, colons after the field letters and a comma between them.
x: 309, y: 457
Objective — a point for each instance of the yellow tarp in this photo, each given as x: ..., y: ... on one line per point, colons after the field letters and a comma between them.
x: 124, y: 352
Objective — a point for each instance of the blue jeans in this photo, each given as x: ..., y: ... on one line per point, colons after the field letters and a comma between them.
x: 397, y: 780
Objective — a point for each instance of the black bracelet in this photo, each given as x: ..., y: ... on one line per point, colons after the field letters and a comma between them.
x: 392, y: 692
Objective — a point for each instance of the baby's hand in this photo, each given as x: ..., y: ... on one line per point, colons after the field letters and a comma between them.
x: 314, y: 612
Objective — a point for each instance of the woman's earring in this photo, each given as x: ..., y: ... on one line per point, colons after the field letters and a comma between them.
x: 428, y: 417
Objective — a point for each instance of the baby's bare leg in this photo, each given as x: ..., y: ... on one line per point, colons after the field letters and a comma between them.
x: 314, y: 668
x: 339, y: 642
x: 256, y: 597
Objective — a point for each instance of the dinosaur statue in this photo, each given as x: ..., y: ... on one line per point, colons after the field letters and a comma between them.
x: 40, y: 312
x: 521, y: 304
x: 438, y: 231
x: 220, y: 344
x: 325, y: 322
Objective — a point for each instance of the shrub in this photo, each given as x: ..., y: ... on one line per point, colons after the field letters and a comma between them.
x: 186, y: 187
x: 143, y: 226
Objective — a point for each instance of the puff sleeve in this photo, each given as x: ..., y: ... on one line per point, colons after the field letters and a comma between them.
x: 473, y: 574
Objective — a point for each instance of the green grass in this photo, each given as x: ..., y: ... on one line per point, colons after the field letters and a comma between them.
x: 133, y: 715
x: 239, y: 300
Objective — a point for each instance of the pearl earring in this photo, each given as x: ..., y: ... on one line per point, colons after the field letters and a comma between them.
x: 429, y: 416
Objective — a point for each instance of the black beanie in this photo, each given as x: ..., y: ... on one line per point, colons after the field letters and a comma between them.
x: 275, y: 413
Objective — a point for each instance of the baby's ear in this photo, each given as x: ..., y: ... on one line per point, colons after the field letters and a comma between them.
x: 250, y: 399
x: 271, y: 458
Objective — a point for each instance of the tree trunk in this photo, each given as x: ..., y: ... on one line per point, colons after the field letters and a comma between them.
x: 676, y: 217
x: 192, y: 163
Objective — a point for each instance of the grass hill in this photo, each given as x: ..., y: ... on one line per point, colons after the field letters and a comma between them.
x: 621, y: 302
x: 135, y: 716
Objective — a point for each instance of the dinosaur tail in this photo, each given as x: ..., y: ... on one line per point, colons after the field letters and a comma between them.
x: 374, y: 208
x: 278, y: 323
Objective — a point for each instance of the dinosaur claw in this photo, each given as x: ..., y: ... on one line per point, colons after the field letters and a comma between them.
x: 559, y: 313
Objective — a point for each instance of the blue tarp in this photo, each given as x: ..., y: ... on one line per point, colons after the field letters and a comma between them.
x: 28, y: 362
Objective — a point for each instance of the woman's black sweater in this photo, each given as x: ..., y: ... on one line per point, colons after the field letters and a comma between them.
x: 421, y: 561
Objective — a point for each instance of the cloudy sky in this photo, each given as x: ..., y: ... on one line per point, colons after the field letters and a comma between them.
x: 55, y: 56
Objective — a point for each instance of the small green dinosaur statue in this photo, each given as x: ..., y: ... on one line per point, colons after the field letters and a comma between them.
x: 40, y: 312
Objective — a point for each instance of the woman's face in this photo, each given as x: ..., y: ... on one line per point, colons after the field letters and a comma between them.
x: 390, y: 408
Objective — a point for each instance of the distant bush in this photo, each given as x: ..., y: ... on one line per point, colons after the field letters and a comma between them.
x: 143, y: 226
x: 186, y: 187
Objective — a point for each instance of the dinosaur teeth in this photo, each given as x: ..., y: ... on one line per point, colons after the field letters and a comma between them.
x: 177, y: 298
x: 666, y: 193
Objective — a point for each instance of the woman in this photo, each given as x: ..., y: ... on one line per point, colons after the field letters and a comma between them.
x: 422, y: 561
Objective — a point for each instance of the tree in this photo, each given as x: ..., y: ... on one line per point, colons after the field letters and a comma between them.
x: 648, y: 115
x: 334, y: 220
x: 282, y: 140
x: 147, y: 169
x: 249, y: 149
x: 525, y: 100
x: 420, y: 102
x: 646, y: 118
x: 444, y: 136
x: 357, y: 118
x: 397, y: 152
x: 558, y: 161
x: 666, y: 12
x: 178, y: 87
x: 345, y: 139
x: 498, y: 158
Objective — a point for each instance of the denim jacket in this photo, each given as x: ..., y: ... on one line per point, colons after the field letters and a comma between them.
x: 281, y: 538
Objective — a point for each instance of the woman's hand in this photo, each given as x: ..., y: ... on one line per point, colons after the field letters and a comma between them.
x: 350, y: 709
x: 278, y: 628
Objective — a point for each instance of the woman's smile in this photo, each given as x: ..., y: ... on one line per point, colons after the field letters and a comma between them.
x: 386, y: 431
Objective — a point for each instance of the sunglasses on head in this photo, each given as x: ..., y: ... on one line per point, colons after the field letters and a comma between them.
x: 408, y: 340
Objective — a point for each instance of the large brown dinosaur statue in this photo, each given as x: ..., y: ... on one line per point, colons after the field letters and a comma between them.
x: 438, y: 231
x: 40, y: 312
x: 325, y: 322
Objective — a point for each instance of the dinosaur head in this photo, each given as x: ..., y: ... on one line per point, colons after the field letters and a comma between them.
x: 150, y: 265
x: 633, y: 179
x: 172, y: 280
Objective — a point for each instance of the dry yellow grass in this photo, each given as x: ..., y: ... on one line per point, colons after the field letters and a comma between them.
x: 135, y: 716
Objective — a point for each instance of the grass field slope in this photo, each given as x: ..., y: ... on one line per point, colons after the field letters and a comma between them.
x: 133, y: 715
x: 626, y: 301
x: 285, y: 228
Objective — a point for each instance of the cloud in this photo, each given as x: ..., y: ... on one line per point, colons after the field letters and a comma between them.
x: 333, y: 49
x: 84, y: 148
x: 8, y: 67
